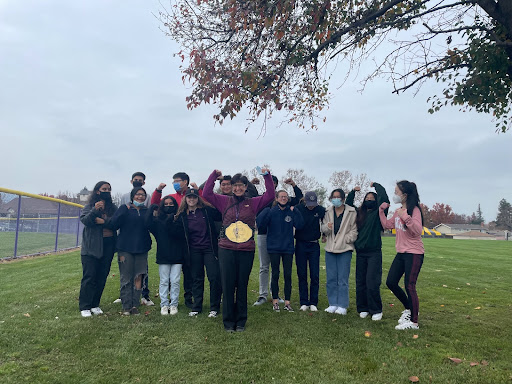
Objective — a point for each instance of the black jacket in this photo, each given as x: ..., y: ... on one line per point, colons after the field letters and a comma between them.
x: 293, y: 202
x: 92, y: 235
x: 170, y: 246
x: 312, y: 218
x: 180, y: 228
x: 133, y: 235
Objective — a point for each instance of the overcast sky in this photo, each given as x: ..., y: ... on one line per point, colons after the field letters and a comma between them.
x: 90, y: 90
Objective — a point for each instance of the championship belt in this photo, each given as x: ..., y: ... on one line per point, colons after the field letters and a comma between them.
x: 238, y: 232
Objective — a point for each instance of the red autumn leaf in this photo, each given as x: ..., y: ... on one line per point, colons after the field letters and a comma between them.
x: 367, y: 333
x: 414, y: 379
x: 415, y: 336
x: 146, y: 313
x: 455, y: 360
x: 474, y: 363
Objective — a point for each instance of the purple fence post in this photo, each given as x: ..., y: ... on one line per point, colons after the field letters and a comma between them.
x: 78, y: 227
x: 17, y: 227
x: 57, y: 234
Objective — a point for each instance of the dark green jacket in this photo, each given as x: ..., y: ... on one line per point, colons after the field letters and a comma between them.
x: 368, y: 237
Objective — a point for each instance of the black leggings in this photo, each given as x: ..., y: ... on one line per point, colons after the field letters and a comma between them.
x: 275, y: 261
x: 410, y: 264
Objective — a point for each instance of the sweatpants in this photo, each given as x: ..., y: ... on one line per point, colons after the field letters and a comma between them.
x: 410, y: 264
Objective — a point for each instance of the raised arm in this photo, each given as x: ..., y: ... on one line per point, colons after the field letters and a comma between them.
x: 382, y: 196
x: 386, y: 224
x: 218, y: 201
x: 262, y: 201
x: 88, y: 215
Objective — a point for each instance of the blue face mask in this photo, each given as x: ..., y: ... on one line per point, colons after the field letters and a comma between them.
x: 336, y: 201
x: 137, y: 204
x: 176, y: 186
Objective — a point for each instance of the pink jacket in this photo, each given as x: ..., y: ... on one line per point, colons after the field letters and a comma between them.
x: 408, y: 231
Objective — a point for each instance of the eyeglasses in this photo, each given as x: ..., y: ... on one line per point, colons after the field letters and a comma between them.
x: 239, y: 185
x: 140, y: 195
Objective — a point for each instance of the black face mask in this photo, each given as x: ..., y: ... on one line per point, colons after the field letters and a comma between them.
x: 370, y: 204
x: 105, y: 196
x: 137, y: 184
x: 283, y: 205
x: 170, y: 209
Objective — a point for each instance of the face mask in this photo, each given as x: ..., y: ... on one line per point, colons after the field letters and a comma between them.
x: 397, y: 199
x: 176, y: 186
x: 137, y: 184
x: 105, y: 196
x: 336, y: 202
x: 169, y: 209
x: 137, y: 204
x: 370, y: 204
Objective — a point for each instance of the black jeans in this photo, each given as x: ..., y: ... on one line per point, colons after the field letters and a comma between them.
x: 199, y: 260
x: 95, y: 273
x: 368, y: 280
x: 187, y: 283
x: 235, y: 269
x: 410, y: 264
x: 308, y: 252
x: 275, y: 261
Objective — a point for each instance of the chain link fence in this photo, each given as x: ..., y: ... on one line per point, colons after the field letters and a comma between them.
x: 32, y: 224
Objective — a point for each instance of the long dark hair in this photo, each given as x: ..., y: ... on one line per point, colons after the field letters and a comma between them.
x: 161, y: 213
x: 94, y: 197
x: 341, y: 191
x: 363, y: 210
x: 413, y: 198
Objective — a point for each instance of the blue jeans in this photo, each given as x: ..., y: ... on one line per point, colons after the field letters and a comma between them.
x: 337, y: 267
x: 169, y: 274
x: 308, y: 252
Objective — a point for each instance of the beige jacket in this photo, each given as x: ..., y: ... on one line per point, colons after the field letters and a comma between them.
x: 342, y: 241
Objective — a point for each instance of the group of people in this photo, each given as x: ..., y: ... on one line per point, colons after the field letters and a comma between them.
x: 197, y: 229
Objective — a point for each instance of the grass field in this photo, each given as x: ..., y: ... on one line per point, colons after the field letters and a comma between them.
x: 32, y: 242
x: 465, y: 312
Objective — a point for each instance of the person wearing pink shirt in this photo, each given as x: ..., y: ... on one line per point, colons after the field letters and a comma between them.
x: 408, y: 223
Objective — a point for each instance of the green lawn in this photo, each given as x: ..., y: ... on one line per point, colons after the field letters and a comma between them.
x: 32, y: 242
x: 465, y: 298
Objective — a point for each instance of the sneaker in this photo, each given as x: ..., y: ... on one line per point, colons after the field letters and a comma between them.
x: 330, y: 309
x: 275, y: 307
x: 229, y: 330
x: 261, y: 300
x: 405, y: 317
x: 377, y: 316
x: 304, y: 308
x: 341, y: 311
x: 86, y: 313
x: 212, y: 314
x: 193, y: 313
x: 173, y: 310
x: 96, y: 311
x: 134, y: 311
x: 407, y: 325
x: 164, y: 311
x: 313, y: 308
x: 363, y: 315
x: 239, y: 328
x: 146, y: 301
x: 288, y: 308
x: 281, y: 301
x: 126, y: 313
x: 117, y: 301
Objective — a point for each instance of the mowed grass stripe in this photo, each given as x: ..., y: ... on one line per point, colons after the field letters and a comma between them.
x: 55, y: 345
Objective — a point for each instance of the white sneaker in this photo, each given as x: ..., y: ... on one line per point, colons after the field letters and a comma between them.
x: 173, y: 310
x: 212, y: 314
x: 164, y: 311
x: 363, y: 315
x: 377, y: 316
x: 330, y: 309
x: 313, y: 308
x: 86, y: 313
x: 117, y: 301
x: 405, y: 317
x: 146, y: 302
x: 407, y: 325
x: 193, y: 313
x: 304, y: 308
x: 96, y: 311
x: 341, y: 311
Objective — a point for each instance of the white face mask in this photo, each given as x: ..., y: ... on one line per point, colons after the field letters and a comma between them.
x: 397, y: 199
